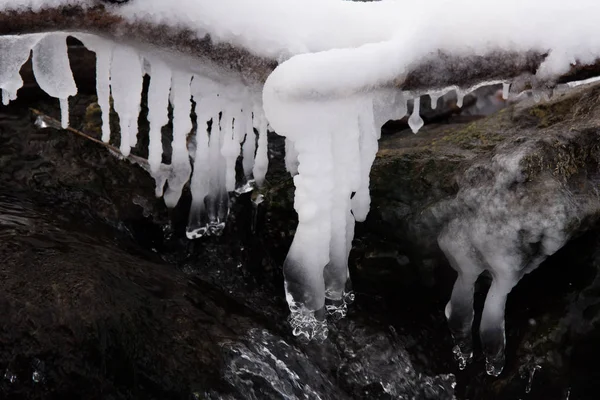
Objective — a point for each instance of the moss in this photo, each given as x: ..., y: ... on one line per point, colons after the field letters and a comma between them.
x: 548, y: 114
x: 93, y: 119
x: 477, y: 134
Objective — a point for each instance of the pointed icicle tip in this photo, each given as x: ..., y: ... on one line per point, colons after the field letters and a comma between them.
x: 415, y: 122
x: 505, y: 90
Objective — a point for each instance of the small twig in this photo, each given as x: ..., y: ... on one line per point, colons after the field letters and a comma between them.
x: 54, y: 123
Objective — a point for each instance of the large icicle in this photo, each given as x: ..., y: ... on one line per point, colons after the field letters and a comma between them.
x: 181, y: 169
x: 14, y: 51
x: 53, y: 72
x: 346, y: 171
x: 126, y: 80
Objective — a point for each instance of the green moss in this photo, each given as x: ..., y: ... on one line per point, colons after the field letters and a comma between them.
x: 548, y: 114
x: 477, y: 134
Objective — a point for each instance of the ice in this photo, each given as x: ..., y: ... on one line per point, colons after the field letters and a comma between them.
x: 230, y: 148
x: 249, y: 146
x: 126, y: 82
x: 505, y: 90
x: 291, y: 158
x: 104, y: 52
x: 158, y: 109
x: 52, y: 71
x: 460, y: 96
x: 14, y: 52
x: 200, y: 182
x: 434, y: 96
x: 181, y: 96
x: 361, y: 201
x: 261, y: 162
x: 415, y: 122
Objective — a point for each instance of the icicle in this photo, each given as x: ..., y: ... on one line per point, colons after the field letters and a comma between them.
x: 261, y: 163
x: 64, y: 113
x: 434, y: 96
x: 15, y: 51
x: 345, y: 154
x: 217, y: 202
x: 158, y: 110
x: 460, y: 96
x: 104, y: 52
x: 126, y: 82
x: 249, y: 146
x: 361, y: 201
x: 403, y: 105
x: 291, y: 158
x: 52, y: 71
x: 505, y: 90
x: 200, y: 182
x: 415, y: 122
x: 182, y: 125
x: 230, y: 148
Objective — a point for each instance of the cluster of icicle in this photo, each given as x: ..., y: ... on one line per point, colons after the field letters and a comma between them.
x: 331, y: 145
x: 227, y: 116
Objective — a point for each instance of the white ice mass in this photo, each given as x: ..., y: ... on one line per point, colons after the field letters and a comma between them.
x: 339, y: 78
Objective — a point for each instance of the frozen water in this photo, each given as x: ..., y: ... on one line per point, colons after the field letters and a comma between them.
x: 261, y: 163
x: 158, y: 109
x: 415, y: 122
x: 291, y: 158
x: 53, y: 72
x: 14, y: 51
x: 505, y: 90
x: 104, y: 52
x: 181, y: 98
x: 126, y: 79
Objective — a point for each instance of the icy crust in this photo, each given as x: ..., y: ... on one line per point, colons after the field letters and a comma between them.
x: 230, y: 122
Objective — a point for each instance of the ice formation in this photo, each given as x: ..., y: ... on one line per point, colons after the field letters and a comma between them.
x: 328, y: 97
x: 232, y: 111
